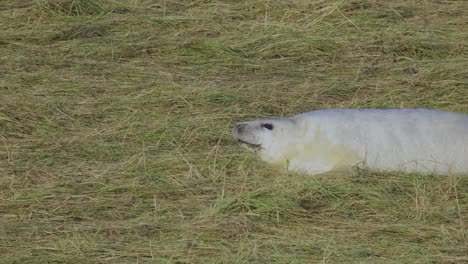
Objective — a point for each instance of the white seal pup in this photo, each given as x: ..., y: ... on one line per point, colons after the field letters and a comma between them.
x: 407, y: 140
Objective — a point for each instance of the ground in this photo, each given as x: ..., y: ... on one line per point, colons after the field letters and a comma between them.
x: 115, y: 120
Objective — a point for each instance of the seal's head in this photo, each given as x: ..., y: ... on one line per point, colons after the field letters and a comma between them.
x: 268, y: 138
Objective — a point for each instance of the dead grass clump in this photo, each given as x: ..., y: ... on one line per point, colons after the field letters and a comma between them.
x: 74, y: 7
x: 11, y: 126
x: 422, y: 50
x: 81, y: 31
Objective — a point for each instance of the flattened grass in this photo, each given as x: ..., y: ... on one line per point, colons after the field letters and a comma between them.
x: 115, y: 123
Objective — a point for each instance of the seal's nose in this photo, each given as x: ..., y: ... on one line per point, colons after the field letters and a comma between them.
x: 240, y: 128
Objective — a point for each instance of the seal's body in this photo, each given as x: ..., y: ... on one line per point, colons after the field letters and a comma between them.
x: 407, y: 140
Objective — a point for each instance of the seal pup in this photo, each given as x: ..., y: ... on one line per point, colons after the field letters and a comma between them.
x: 406, y: 140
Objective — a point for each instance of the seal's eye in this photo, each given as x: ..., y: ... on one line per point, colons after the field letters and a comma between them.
x: 268, y: 126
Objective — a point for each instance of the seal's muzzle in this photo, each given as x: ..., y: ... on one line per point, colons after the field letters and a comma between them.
x: 244, y: 135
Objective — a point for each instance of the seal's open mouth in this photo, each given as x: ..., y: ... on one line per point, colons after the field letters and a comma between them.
x: 250, y: 145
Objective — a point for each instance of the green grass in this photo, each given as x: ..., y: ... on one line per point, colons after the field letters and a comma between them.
x: 115, y: 121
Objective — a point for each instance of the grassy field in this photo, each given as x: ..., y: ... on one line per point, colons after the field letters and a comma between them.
x: 115, y: 120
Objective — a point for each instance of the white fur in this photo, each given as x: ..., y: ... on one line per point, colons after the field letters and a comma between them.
x: 407, y: 140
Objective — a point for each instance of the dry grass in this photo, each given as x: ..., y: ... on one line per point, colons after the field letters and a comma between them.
x: 115, y: 122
